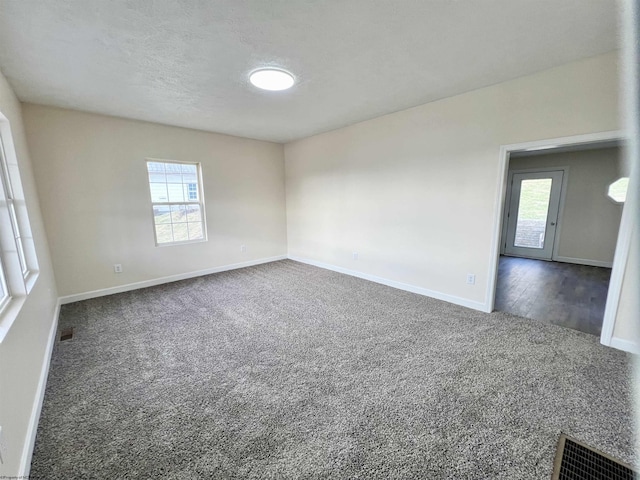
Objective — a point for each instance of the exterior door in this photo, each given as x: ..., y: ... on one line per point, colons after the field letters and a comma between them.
x: 532, y: 216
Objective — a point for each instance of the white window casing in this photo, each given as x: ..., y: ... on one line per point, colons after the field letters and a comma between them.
x: 18, y: 261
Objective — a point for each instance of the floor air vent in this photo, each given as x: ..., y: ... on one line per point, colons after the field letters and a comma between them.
x: 66, y: 334
x: 576, y: 461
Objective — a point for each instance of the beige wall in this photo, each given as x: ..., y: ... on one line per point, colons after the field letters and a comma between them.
x: 92, y: 179
x: 589, y: 222
x: 414, y: 192
x: 22, y: 352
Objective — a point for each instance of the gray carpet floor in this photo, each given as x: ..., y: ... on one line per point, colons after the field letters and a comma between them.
x: 285, y: 371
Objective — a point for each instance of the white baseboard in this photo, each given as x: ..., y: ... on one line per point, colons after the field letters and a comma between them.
x: 625, y: 345
x: 32, y: 429
x: 159, y: 281
x: 584, y: 261
x: 402, y: 286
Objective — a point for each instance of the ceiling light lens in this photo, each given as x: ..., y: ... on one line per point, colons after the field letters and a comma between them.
x: 270, y: 79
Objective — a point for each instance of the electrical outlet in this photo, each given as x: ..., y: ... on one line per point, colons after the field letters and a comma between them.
x: 471, y: 279
x: 117, y: 268
x: 355, y: 255
x: 243, y: 248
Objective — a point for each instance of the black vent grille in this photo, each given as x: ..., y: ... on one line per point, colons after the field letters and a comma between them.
x: 575, y: 461
x: 66, y: 334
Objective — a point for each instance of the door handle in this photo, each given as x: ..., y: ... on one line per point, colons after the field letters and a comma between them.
x: 553, y: 223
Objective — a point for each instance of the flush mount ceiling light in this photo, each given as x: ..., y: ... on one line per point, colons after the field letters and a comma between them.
x: 271, y: 79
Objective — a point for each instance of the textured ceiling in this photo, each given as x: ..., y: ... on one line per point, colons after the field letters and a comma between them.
x: 186, y: 62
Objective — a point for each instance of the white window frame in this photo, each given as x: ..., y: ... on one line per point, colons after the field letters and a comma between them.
x: 199, y: 202
x: 18, y: 261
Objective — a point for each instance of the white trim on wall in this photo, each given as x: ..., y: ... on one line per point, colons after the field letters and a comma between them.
x: 560, y: 219
x: 34, y: 419
x: 625, y: 345
x: 168, y: 279
x: 584, y: 261
x: 498, y: 216
x: 617, y: 274
x: 624, y: 236
x: 392, y: 283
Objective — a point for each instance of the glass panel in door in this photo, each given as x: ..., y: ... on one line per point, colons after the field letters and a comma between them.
x: 532, y: 212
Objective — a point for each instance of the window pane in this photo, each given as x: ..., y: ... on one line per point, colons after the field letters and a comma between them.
x: 157, y: 167
x: 188, y: 168
x: 191, y: 192
x: 180, y: 232
x: 189, y: 178
x: 161, y: 214
x: 156, y: 172
x: 178, y: 214
x: 164, y: 233
x: 174, y: 178
x: 189, y: 174
x: 532, y: 213
x: 157, y: 177
x: 159, y: 192
x: 193, y: 213
x: 174, y: 172
x: 195, y: 231
x: 175, y: 192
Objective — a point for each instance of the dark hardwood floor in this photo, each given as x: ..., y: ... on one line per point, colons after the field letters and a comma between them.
x: 569, y: 295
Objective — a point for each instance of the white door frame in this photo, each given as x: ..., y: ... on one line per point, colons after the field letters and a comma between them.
x: 624, y: 235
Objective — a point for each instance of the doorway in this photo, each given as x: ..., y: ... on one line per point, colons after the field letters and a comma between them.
x: 528, y: 245
x: 531, y: 216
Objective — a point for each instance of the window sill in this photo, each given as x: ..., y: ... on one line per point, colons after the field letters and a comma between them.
x: 186, y: 242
